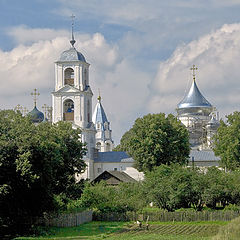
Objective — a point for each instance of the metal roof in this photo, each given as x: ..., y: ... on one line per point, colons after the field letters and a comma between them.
x: 71, y: 55
x: 199, y: 156
x: 203, y: 155
x: 99, y: 115
x: 113, y: 157
x: 36, y: 116
x: 118, y: 176
x: 194, y: 98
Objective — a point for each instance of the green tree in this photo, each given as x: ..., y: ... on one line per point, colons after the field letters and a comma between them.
x: 36, y: 162
x: 121, y: 198
x: 218, y: 188
x: 154, y: 140
x: 173, y: 187
x: 227, y: 141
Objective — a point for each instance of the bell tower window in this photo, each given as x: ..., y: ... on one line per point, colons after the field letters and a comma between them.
x: 69, y: 77
x: 88, y: 111
x: 68, y: 110
x: 98, y: 145
x: 85, y: 78
x: 108, y: 147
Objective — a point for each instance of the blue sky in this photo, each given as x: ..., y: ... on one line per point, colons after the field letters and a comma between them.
x: 140, y: 52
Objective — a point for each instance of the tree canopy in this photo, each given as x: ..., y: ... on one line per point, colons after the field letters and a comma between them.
x: 156, y: 139
x: 227, y: 141
x: 36, y: 162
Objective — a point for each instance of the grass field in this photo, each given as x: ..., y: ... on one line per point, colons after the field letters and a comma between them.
x: 129, y: 231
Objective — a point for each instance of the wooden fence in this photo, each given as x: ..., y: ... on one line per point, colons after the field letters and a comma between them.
x: 164, y: 216
x: 66, y: 220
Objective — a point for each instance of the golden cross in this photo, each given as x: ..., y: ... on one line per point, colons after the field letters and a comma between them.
x: 193, y: 68
x: 45, y: 108
x: 25, y: 111
x: 99, y: 96
x: 18, y: 108
x: 35, y: 94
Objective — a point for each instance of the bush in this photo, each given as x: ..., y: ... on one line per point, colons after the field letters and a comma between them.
x: 173, y: 187
x: 122, y: 198
x: 232, y: 207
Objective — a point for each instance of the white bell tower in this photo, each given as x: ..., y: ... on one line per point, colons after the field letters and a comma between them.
x: 72, y: 98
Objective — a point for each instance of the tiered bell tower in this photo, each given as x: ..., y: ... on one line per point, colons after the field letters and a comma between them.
x: 72, y: 98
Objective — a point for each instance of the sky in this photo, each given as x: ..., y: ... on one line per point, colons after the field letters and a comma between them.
x: 140, y: 53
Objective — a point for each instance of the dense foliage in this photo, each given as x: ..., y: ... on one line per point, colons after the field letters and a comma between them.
x: 168, y: 187
x: 174, y: 187
x: 227, y: 141
x: 125, y: 197
x: 37, y: 162
x: 154, y: 140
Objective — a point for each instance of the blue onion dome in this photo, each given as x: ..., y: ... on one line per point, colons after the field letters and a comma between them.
x: 36, y: 116
x: 194, y: 99
x: 71, y: 55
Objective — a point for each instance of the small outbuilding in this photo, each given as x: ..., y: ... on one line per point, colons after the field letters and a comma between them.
x: 113, y: 178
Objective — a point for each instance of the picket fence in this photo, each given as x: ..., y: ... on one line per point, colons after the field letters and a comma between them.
x: 163, y: 216
x: 67, y: 219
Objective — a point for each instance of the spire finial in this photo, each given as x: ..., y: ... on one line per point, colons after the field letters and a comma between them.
x: 18, y: 108
x: 35, y: 94
x: 99, y: 96
x: 45, y: 108
x: 25, y: 111
x: 72, y: 41
x: 193, y: 68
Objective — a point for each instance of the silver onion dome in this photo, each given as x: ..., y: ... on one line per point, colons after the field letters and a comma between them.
x: 194, y: 98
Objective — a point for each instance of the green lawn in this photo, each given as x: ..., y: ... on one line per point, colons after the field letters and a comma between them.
x: 125, y: 231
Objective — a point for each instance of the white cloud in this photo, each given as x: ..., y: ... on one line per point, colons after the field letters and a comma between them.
x: 23, y: 34
x: 26, y: 67
x: 217, y: 56
x: 127, y: 89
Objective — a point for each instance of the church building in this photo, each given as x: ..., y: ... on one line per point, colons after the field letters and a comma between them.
x: 72, y: 102
x: 199, y: 117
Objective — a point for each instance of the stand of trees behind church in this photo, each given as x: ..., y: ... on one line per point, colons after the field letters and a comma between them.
x: 156, y: 139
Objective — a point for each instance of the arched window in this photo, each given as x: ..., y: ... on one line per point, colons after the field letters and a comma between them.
x: 98, y: 146
x: 85, y: 78
x: 108, y: 147
x: 69, y: 77
x: 88, y: 111
x: 68, y: 110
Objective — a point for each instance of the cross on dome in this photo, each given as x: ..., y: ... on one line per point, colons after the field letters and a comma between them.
x: 35, y: 94
x: 25, y: 111
x: 72, y: 41
x: 193, y: 68
x: 45, y: 109
x: 99, y: 96
x: 18, y: 108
